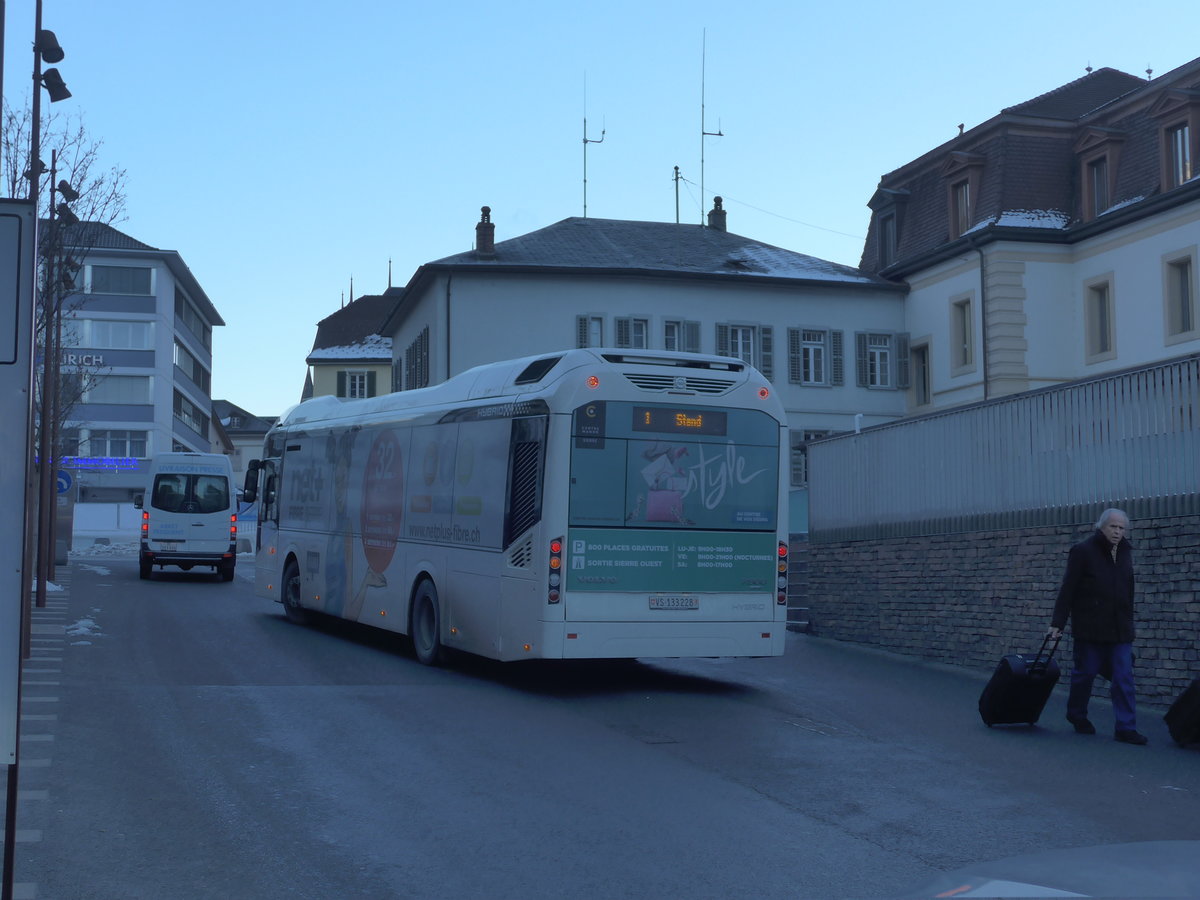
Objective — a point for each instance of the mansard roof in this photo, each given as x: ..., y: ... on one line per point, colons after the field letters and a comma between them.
x: 352, y: 333
x: 1026, y: 181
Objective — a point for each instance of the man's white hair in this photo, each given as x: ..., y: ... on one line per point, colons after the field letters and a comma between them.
x: 1108, y: 514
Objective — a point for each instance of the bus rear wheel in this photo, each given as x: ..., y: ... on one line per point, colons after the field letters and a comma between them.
x: 290, y: 594
x: 426, y: 626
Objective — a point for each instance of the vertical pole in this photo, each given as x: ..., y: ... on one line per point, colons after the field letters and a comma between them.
x: 44, y: 450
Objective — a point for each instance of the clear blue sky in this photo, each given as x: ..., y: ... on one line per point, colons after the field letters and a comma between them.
x: 283, y: 148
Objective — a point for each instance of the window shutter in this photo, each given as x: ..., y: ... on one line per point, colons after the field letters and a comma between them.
x: 370, y: 384
x: 341, y: 384
x: 722, y: 340
x: 691, y: 337
x: 397, y: 377
x: 837, y: 365
x: 794, y: 355
x: 623, y: 333
x: 903, y: 363
x: 862, y: 368
x: 581, y: 331
x: 766, y: 351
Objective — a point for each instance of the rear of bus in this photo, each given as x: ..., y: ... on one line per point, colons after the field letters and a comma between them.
x: 674, y: 542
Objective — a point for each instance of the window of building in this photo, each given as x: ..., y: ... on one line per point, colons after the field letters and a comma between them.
x: 922, y: 393
x: 681, y: 335
x: 962, y: 336
x: 98, y: 443
x: 1097, y: 184
x: 589, y: 331
x: 1180, y: 294
x: 1098, y: 316
x: 799, y: 454
x: 887, y: 240
x: 416, y: 361
x: 191, y: 367
x: 1098, y: 151
x: 882, y: 360
x: 753, y: 344
x: 138, y: 280
x: 814, y: 356
x: 109, y: 334
x: 190, y: 415
x: 1179, y: 154
x: 355, y: 384
x: 633, y: 332
x: 961, y: 220
x: 964, y: 174
x: 186, y: 312
x: 124, y: 389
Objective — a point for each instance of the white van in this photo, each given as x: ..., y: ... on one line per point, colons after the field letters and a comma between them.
x: 189, y: 515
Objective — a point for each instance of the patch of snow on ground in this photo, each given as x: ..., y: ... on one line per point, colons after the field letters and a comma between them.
x: 85, y: 628
x: 99, y: 570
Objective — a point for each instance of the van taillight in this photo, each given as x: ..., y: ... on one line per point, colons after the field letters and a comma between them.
x: 145, y: 523
x: 555, y: 579
x: 233, y: 526
x: 781, y: 584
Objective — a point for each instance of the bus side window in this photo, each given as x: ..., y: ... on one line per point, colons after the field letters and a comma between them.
x: 269, y: 510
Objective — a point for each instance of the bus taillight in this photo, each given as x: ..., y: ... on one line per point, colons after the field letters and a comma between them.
x: 782, y: 583
x: 555, y: 579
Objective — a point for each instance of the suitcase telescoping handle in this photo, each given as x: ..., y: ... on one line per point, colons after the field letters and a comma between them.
x: 1037, y: 660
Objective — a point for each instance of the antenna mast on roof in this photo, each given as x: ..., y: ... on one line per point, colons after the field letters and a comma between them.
x: 703, y: 132
x: 587, y: 141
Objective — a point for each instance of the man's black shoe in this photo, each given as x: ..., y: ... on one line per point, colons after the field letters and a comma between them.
x: 1131, y: 737
x: 1082, y: 726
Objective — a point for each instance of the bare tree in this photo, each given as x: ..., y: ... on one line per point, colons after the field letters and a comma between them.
x: 62, y: 244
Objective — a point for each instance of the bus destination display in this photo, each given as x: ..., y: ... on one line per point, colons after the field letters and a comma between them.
x: 677, y: 420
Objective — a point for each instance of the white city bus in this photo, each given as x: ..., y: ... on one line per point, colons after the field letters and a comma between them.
x: 590, y: 503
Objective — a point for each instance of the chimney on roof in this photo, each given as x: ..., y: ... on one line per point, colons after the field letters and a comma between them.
x: 485, y: 233
x: 716, y: 215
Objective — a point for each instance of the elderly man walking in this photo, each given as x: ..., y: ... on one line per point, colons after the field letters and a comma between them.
x: 1097, y: 596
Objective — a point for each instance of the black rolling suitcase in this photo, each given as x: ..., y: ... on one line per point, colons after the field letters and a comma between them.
x: 1183, y: 718
x: 1020, y: 686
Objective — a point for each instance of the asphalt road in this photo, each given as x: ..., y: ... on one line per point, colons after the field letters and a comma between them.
x: 185, y: 741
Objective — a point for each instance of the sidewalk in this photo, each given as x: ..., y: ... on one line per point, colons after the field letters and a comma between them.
x: 41, y: 681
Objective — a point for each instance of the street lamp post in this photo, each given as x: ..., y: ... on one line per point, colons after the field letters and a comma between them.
x: 45, y: 47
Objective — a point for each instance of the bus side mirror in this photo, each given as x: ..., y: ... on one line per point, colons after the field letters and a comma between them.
x: 250, y: 488
x: 138, y: 500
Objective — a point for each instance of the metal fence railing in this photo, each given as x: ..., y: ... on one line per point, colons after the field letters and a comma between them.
x: 1058, y: 454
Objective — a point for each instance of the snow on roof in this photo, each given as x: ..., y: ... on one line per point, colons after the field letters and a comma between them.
x: 1026, y: 218
x: 373, y: 346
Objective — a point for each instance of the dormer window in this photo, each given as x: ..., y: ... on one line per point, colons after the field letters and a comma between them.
x: 1178, y: 113
x: 1098, y: 151
x: 1179, y: 154
x: 963, y: 172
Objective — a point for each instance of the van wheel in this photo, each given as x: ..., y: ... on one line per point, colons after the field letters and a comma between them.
x: 290, y: 594
x: 426, y: 626
x: 144, y: 569
x: 225, y: 570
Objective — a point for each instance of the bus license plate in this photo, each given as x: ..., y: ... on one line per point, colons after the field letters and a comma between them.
x: 674, y: 602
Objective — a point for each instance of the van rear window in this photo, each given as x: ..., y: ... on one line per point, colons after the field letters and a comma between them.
x: 177, y: 492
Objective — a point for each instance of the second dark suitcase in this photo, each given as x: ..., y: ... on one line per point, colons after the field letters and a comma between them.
x: 1183, y: 718
x: 1019, y: 688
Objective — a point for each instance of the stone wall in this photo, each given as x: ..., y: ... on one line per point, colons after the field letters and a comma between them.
x: 969, y: 598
